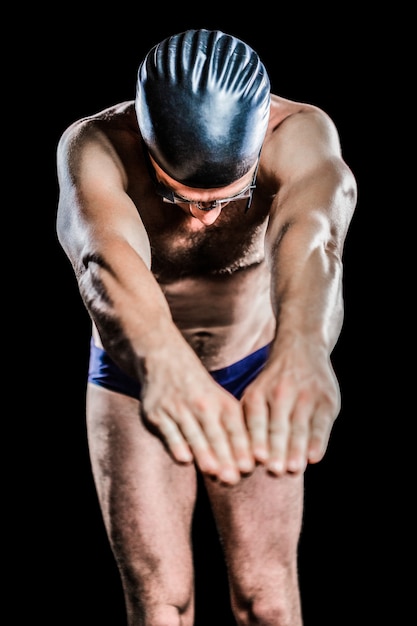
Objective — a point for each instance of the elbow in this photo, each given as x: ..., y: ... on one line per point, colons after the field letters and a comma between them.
x: 348, y: 190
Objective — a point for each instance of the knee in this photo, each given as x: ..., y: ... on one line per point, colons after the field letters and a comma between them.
x: 268, y: 604
x: 261, y: 612
x: 167, y: 607
x: 167, y: 615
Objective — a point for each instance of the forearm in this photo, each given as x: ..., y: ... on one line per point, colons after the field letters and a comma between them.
x: 305, y: 246
x: 308, y: 299
x: 127, y: 306
x: 306, y: 287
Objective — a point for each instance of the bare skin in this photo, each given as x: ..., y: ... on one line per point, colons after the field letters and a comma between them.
x: 173, y: 292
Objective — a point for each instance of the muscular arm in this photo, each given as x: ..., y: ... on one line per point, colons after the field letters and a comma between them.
x: 104, y: 238
x: 102, y: 234
x: 292, y: 405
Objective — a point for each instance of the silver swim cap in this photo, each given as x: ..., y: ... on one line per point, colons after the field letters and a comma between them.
x: 202, y: 105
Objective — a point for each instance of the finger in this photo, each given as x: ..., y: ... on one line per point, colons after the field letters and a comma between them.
x: 279, y: 430
x: 299, y: 435
x: 297, y: 446
x: 205, y: 441
x: 278, y: 437
x: 174, y: 440
x: 239, y: 440
x: 221, y: 421
x: 257, y: 419
x: 206, y: 457
x: 209, y: 443
x: 320, y: 429
x: 227, y: 441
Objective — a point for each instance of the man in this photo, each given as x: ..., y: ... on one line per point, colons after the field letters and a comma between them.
x: 205, y: 222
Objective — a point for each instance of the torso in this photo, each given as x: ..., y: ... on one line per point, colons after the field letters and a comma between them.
x: 215, y: 278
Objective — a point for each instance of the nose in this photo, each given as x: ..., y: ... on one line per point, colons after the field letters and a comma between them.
x: 204, y: 216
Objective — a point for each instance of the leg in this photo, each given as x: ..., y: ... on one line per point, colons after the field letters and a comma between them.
x: 147, y: 502
x: 259, y: 521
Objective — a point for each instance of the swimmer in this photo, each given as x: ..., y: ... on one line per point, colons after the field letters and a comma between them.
x: 205, y: 221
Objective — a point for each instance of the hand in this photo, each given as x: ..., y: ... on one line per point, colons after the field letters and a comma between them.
x: 197, y: 419
x: 291, y: 407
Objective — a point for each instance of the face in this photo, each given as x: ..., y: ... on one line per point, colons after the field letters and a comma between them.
x: 204, y: 204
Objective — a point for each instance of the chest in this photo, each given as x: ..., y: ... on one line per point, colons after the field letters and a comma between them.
x: 182, y: 247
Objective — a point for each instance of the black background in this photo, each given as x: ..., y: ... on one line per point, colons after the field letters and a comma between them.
x: 83, y: 62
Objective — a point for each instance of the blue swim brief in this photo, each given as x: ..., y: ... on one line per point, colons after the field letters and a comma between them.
x: 234, y: 378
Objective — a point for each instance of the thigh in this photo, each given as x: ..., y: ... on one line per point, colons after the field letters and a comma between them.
x: 147, y: 500
x: 259, y: 521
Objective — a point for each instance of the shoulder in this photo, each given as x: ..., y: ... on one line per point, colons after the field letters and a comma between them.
x: 94, y: 148
x: 301, y: 139
x: 302, y: 146
x: 103, y: 126
x: 98, y: 140
x: 289, y: 118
